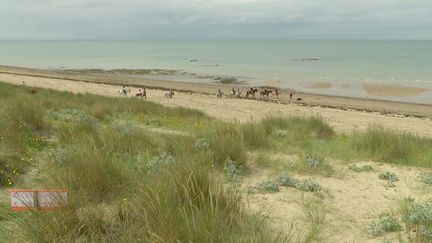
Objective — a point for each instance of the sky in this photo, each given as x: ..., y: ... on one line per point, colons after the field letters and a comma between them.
x: 215, y: 19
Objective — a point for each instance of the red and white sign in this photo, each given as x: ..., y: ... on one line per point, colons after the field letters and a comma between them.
x: 38, y: 199
x: 51, y: 199
x: 22, y: 200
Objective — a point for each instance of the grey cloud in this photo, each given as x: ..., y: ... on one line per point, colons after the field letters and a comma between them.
x: 93, y: 19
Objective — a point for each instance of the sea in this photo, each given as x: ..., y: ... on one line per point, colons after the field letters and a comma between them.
x: 305, y: 65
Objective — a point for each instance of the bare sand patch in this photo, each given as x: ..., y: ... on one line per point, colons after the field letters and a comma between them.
x: 380, y: 90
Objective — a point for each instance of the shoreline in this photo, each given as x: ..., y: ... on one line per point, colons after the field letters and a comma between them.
x: 396, y: 108
x: 201, y: 97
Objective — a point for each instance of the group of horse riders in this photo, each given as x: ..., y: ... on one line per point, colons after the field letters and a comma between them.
x: 251, y: 92
x: 142, y: 93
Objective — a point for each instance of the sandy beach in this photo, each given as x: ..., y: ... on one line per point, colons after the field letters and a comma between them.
x: 343, y: 113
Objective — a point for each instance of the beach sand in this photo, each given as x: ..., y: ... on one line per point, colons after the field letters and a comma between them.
x: 343, y: 113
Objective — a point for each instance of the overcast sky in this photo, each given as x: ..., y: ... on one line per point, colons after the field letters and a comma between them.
x: 180, y: 19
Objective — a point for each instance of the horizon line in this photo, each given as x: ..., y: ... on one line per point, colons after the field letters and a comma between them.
x: 216, y: 39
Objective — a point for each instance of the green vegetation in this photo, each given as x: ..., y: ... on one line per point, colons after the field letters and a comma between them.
x: 10, y: 169
x: 263, y: 187
x: 138, y: 171
x: 127, y: 182
x: 284, y: 180
x: 386, y: 223
x: 418, y: 218
x: 394, y: 147
x: 360, y: 168
x: 388, y: 176
x: 232, y: 170
x: 426, y: 177
x: 313, y: 165
x: 315, y: 214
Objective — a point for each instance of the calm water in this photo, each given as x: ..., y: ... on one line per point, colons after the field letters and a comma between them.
x: 285, y: 63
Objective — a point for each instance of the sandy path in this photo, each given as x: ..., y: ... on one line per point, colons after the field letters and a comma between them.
x: 240, y: 109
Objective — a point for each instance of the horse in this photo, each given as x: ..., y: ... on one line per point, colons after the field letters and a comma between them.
x: 123, y: 92
x: 169, y: 94
x: 276, y: 92
x: 236, y: 93
x: 265, y: 93
x: 141, y: 94
x: 252, y: 92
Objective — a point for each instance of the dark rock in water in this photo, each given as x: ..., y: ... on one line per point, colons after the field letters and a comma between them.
x: 306, y: 59
x: 193, y: 60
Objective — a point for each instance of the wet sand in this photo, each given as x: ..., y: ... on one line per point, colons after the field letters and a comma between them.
x: 322, y: 85
x: 382, y: 90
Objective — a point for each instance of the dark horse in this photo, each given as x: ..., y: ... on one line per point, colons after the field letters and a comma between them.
x: 265, y: 93
x: 252, y: 92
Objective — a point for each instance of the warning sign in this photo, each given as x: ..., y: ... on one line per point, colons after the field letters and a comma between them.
x: 22, y: 200
x: 38, y: 199
x: 51, y: 199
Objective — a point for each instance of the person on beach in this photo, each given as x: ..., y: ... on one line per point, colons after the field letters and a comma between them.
x: 219, y: 94
x: 291, y: 95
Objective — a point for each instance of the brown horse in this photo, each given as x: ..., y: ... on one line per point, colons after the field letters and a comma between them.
x: 252, y: 92
x: 265, y: 93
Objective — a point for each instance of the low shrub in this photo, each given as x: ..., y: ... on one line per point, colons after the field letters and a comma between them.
x: 284, y: 179
x: 360, y: 168
x: 388, y: 176
x: 232, y: 170
x: 418, y: 218
x: 315, y: 165
x: 263, y: 187
x: 426, y: 177
x: 385, y: 224
x: 308, y: 185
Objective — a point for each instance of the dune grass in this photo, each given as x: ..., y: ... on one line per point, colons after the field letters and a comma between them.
x: 125, y: 183
x: 394, y: 147
x: 128, y: 182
